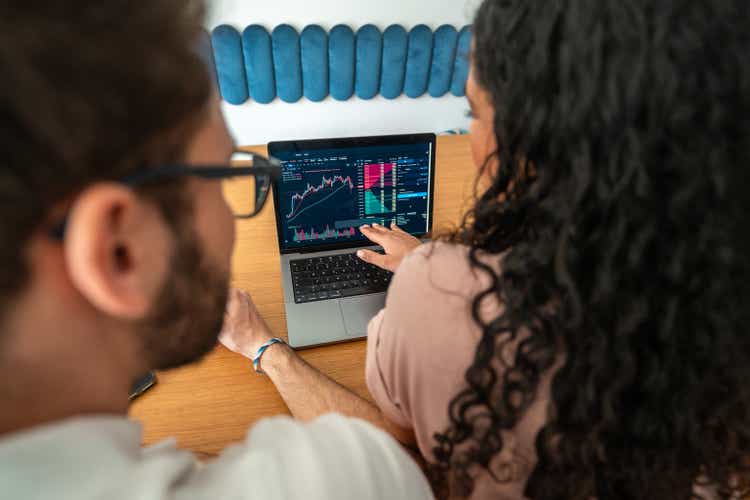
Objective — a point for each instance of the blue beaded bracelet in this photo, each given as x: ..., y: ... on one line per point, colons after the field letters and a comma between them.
x: 261, y: 350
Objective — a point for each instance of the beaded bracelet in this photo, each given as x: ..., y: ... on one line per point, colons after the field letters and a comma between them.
x: 261, y: 350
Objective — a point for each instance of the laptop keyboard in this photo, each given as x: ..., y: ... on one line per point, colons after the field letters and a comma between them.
x: 336, y: 276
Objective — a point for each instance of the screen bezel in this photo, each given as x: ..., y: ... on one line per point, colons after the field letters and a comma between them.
x: 342, y: 143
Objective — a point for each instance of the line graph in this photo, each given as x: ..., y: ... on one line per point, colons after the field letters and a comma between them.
x: 298, y: 199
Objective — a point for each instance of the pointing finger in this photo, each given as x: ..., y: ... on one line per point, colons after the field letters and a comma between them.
x: 373, y: 234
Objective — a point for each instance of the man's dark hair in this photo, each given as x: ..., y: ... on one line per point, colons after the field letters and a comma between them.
x: 90, y: 90
x: 621, y: 213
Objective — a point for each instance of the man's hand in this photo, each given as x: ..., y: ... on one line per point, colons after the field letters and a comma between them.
x: 307, y: 392
x: 244, y: 330
x: 395, y: 241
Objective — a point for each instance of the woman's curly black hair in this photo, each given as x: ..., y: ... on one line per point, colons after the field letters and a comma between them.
x: 620, y: 210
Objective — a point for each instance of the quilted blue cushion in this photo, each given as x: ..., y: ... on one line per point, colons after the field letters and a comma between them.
x: 418, y: 61
x: 443, y: 60
x: 395, y: 47
x: 341, y: 62
x: 286, y: 63
x: 228, y: 56
x: 256, y: 47
x: 369, y: 55
x: 314, y: 51
x: 461, y: 68
x: 261, y: 66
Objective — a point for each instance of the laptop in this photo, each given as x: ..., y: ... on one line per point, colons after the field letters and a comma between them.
x: 328, y: 189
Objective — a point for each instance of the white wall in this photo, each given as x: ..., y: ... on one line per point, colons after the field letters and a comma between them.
x: 253, y: 123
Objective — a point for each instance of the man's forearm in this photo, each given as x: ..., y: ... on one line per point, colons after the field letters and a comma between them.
x: 308, y: 393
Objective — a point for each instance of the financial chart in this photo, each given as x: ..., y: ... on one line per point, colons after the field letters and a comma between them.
x: 326, y: 195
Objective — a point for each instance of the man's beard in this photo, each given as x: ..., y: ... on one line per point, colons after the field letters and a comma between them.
x: 185, y: 322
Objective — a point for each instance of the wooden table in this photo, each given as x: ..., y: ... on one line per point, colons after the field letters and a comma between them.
x: 211, y: 404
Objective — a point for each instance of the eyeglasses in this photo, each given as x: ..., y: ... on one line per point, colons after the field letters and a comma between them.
x: 246, y: 181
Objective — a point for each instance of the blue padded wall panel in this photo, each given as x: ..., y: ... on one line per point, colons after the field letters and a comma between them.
x: 227, y: 46
x: 418, y: 61
x: 314, y: 53
x: 461, y: 68
x: 395, y: 49
x: 286, y: 63
x: 443, y: 60
x: 341, y: 60
x: 369, y: 55
x: 256, y: 47
x: 260, y: 66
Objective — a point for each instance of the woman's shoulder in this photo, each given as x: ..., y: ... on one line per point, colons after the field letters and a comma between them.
x: 440, y: 267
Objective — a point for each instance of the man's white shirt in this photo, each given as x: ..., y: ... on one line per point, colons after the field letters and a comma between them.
x: 331, y: 458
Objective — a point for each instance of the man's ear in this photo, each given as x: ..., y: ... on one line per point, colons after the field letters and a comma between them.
x: 117, y: 250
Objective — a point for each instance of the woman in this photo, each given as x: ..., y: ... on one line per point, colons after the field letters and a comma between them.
x: 583, y: 334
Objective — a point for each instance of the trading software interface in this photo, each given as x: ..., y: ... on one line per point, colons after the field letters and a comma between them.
x: 325, y: 195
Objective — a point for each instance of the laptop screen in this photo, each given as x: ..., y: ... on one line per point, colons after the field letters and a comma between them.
x: 329, y: 188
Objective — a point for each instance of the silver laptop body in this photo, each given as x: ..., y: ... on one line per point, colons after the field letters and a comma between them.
x: 327, y: 190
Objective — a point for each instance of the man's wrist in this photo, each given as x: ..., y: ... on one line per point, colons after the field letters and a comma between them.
x: 275, y: 358
x: 251, y: 346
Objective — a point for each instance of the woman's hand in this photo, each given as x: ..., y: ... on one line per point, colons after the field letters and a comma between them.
x: 244, y: 329
x: 395, y: 241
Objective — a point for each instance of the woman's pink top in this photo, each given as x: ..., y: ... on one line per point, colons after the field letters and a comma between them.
x: 420, y: 346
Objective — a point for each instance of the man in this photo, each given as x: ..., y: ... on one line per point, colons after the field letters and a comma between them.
x: 109, y: 271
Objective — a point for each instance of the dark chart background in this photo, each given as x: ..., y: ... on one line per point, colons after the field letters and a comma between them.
x: 325, y: 195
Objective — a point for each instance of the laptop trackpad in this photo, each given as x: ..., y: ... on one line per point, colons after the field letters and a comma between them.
x: 358, y: 311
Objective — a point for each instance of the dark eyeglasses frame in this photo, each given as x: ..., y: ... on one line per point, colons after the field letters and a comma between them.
x: 262, y: 166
